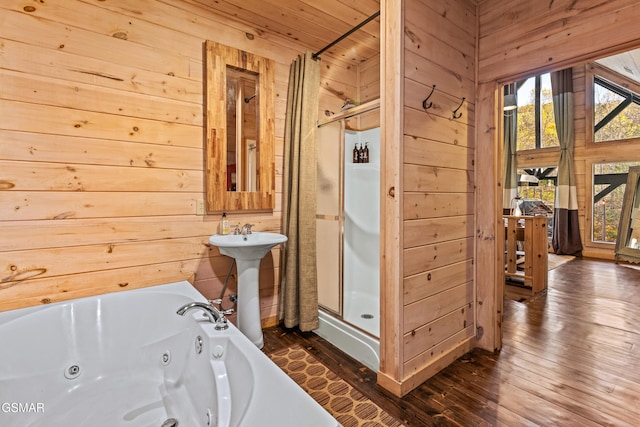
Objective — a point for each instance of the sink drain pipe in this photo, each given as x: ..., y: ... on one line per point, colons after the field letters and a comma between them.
x: 233, y: 297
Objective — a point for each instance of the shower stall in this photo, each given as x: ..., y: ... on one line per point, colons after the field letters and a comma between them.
x: 348, y: 232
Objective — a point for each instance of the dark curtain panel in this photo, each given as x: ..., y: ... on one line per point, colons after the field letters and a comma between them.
x: 566, y: 229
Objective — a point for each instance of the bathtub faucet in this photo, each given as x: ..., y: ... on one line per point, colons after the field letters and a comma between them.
x: 213, y: 314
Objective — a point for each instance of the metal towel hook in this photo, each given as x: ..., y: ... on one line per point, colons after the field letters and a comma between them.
x: 424, y: 103
x: 457, y: 115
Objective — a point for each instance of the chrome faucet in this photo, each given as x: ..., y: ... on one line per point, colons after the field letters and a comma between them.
x: 236, y: 229
x: 213, y: 314
x: 246, y: 229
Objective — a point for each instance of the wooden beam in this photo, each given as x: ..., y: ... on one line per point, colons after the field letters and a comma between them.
x: 391, y: 244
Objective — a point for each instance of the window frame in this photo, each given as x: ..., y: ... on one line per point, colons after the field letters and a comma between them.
x: 629, y: 98
x: 593, y: 70
x: 537, y: 109
x: 592, y: 202
x: 599, y: 152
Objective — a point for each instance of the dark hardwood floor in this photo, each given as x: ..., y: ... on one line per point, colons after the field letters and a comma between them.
x: 570, y: 357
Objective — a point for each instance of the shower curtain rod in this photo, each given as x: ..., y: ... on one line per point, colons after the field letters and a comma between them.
x: 360, y: 109
x: 347, y: 34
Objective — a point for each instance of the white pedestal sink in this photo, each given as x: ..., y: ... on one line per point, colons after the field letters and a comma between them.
x: 248, y: 250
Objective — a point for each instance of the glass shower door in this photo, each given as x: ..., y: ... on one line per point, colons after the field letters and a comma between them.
x: 329, y: 216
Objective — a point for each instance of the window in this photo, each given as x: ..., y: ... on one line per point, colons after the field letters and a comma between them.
x: 545, y: 187
x: 536, y: 122
x: 537, y: 188
x: 616, y: 112
x: 609, y: 181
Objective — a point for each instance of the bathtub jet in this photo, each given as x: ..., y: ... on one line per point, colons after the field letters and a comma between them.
x: 171, y: 422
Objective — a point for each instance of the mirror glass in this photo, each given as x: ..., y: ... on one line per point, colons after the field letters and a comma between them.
x: 629, y: 225
x: 242, y: 130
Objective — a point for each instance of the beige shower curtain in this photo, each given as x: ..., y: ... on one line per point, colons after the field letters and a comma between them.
x: 298, y: 300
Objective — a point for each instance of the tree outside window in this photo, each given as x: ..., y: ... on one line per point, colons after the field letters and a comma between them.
x: 616, y: 112
x: 536, y: 122
x: 608, y: 192
x: 544, y: 189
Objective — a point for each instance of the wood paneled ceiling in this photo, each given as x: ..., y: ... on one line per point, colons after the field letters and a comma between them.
x: 316, y: 23
x: 312, y: 23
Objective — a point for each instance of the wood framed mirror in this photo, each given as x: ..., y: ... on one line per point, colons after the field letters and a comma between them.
x: 240, y: 130
x: 628, y: 240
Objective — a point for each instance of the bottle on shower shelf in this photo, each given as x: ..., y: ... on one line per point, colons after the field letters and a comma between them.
x: 356, y: 154
x: 365, y: 155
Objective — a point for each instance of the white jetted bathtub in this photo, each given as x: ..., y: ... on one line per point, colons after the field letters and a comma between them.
x: 128, y: 359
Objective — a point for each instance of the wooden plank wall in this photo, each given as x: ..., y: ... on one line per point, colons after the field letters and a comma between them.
x: 437, y: 222
x: 369, y: 80
x: 530, y: 36
x: 517, y: 40
x: 101, y: 152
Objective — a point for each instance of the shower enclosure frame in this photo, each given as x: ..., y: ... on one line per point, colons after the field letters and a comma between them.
x: 361, y: 344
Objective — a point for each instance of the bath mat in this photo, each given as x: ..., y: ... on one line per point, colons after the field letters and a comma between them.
x: 350, y: 407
